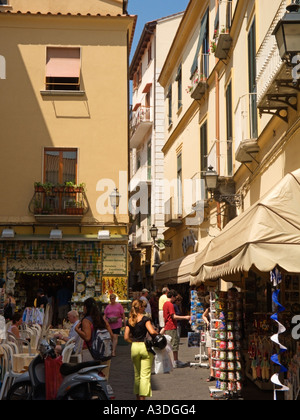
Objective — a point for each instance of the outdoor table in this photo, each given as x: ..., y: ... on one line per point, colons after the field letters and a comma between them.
x: 21, y: 361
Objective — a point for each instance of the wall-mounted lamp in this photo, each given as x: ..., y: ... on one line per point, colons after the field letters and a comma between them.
x: 153, y: 232
x: 212, y: 183
x: 115, y: 199
x: 8, y: 233
x: 287, y: 32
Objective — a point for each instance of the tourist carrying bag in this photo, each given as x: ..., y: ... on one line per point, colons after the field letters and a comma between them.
x: 101, y: 346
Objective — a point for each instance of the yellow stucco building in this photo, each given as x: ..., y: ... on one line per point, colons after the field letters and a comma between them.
x: 64, y: 122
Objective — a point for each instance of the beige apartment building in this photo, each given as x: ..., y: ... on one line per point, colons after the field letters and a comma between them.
x: 64, y: 147
x: 229, y: 118
x: 236, y: 129
x: 147, y: 138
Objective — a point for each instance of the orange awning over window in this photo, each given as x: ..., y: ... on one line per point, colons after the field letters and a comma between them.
x: 63, y: 62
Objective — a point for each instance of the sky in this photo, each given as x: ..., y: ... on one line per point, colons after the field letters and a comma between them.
x: 148, y: 10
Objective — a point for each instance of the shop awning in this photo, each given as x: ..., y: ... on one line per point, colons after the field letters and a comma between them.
x: 265, y: 235
x: 176, y: 271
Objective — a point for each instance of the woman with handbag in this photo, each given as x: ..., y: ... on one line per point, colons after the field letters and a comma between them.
x: 136, y: 331
x: 114, y: 315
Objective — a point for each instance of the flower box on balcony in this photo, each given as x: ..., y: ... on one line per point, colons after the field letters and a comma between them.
x: 223, y: 46
x: 199, y: 89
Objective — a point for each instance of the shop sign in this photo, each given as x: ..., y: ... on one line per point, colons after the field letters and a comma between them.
x: 187, y: 242
x: 114, y: 260
x: 31, y: 265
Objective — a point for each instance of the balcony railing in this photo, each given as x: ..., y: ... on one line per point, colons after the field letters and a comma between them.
x: 58, y: 202
x: 173, y: 215
x: 139, y: 121
x: 246, y: 134
x: 268, y: 59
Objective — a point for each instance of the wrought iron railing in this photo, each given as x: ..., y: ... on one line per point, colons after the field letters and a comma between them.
x: 59, y: 200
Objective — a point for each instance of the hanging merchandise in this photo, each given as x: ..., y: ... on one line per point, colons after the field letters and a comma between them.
x: 226, y: 322
x: 275, y: 277
x: 196, y: 338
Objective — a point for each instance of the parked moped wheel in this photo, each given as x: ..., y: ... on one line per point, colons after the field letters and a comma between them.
x: 20, y: 391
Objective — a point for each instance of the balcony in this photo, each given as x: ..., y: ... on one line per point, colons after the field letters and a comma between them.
x: 173, y: 216
x: 141, y: 120
x: 246, y: 145
x: 199, y: 83
x: 276, y: 92
x: 52, y: 203
x: 223, y: 46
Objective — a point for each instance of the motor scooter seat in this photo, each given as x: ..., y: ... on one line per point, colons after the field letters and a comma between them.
x: 69, y: 368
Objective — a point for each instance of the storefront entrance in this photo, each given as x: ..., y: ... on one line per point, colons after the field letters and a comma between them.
x: 54, y: 284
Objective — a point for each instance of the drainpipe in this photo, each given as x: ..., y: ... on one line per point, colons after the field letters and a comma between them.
x: 217, y: 83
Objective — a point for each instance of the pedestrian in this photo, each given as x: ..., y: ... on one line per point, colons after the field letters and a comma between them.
x: 144, y: 297
x: 9, y: 306
x: 114, y: 314
x: 178, y: 311
x: 161, y: 301
x: 154, y: 308
x: 63, y: 296
x: 92, y: 320
x: 137, y: 328
x: 41, y: 300
x: 170, y: 328
x: 206, y: 319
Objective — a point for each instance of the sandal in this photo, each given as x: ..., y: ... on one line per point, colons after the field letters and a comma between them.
x: 210, y: 379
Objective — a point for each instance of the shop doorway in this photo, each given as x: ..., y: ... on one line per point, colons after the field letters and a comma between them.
x: 57, y: 286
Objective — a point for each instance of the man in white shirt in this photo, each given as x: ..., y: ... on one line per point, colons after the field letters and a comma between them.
x: 145, y: 293
x: 163, y: 298
x: 73, y: 317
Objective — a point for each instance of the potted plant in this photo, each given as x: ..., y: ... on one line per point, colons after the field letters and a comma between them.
x: 48, y: 186
x: 38, y: 186
x: 71, y: 207
x: 38, y: 206
x: 69, y: 186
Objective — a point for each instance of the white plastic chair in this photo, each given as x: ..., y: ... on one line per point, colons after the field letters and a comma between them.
x: 66, y: 353
x: 77, y: 356
x: 10, y: 374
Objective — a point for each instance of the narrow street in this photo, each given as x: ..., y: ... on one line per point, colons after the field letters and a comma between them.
x: 183, y: 384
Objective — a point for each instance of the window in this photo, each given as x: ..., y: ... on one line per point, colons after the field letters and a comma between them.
x: 179, y: 86
x: 60, y: 165
x: 3, y: 2
x: 179, y: 184
x: 149, y: 53
x: 229, y: 128
x: 149, y: 164
x: 252, y: 80
x: 63, y: 69
x: 169, y: 97
x: 203, y: 148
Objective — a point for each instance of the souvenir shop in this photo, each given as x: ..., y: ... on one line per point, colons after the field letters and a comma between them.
x: 86, y: 269
x: 251, y: 332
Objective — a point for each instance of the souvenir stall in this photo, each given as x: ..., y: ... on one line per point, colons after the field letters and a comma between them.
x: 226, y: 335
x: 196, y: 338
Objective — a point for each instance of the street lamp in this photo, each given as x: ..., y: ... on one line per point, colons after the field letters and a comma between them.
x: 115, y: 199
x: 287, y: 32
x: 213, y: 184
x: 211, y: 179
x: 153, y: 232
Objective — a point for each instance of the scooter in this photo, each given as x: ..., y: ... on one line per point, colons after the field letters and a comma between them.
x: 81, y: 381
